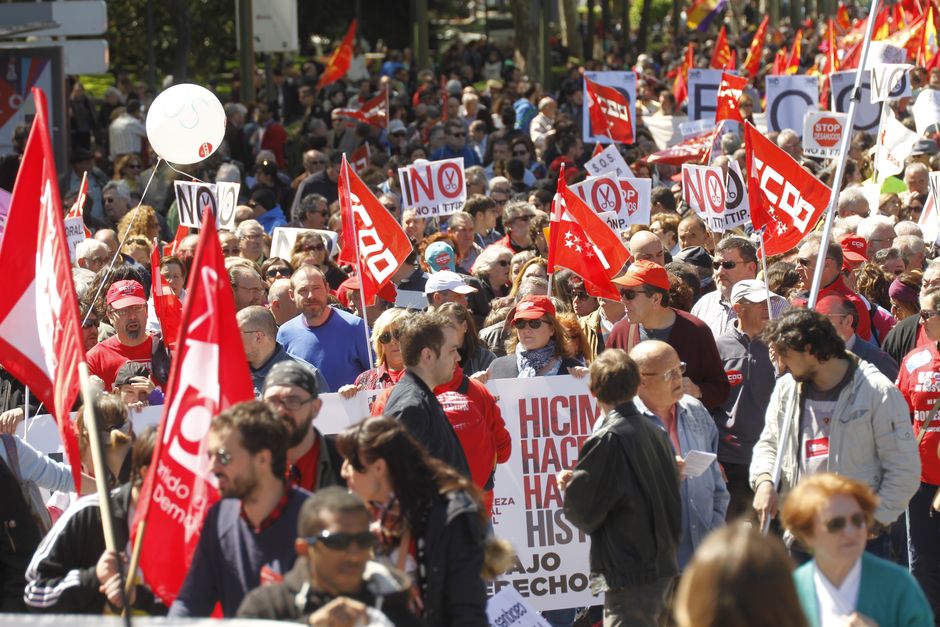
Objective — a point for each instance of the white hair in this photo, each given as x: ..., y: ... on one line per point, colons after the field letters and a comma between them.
x: 869, y: 226
x: 88, y: 247
x: 845, y: 226
x: 120, y: 188
x: 228, y: 173
x: 851, y: 196
x: 907, y: 227
x: 242, y: 229
x: 82, y: 278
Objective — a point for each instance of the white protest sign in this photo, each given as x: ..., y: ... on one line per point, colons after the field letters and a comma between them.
x: 789, y: 99
x: 284, y: 237
x: 696, y: 127
x: 192, y: 199
x: 894, y: 144
x: 74, y: 233
x: 926, y: 110
x: 614, y: 221
x: 703, y: 93
x: 42, y: 432
x: 822, y: 134
x: 867, y: 114
x: 737, y: 207
x: 929, y: 221
x: 411, y: 299
x: 889, y: 82
x: 433, y: 188
x: 624, y: 82
x: 629, y: 198
x: 548, y: 419
x: 608, y: 161
x: 881, y: 52
x: 703, y: 189
x: 507, y: 608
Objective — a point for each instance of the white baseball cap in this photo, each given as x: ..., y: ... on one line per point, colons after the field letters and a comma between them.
x: 751, y: 290
x: 445, y: 281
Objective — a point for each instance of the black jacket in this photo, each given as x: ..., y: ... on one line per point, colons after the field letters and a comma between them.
x: 415, y: 405
x: 625, y: 495
x: 901, y: 339
x: 61, y: 577
x: 505, y: 367
x: 292, y: 599
x: 453, y: 591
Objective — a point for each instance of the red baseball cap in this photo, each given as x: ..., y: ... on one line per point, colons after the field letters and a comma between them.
x: 643, y: 272
x: 854, y: 249
x: 532, y: 308
x: 123, y: 294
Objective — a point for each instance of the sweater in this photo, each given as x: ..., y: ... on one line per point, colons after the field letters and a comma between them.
x: 337, y: 347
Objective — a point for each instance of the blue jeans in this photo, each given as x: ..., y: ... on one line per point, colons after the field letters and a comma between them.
x: 923, y: 543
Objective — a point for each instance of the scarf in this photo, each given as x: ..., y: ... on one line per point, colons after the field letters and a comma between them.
x: 531, y: 362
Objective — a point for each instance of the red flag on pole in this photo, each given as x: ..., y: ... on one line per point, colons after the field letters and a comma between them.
x: 783, y: 196
x: 796, y: 52
x: 680, y: 86
x: 209, y: 374
x: 609, y: 112
x: 729, y: 92
x: 732, y: 64
x: 340, y: 60
x: 721, y: 55
x: 753, y: 60
x: 181, y: 233
x: 361, y: 157
x: 166, y: 304
x: 373, y: 241
x: 373, y: 111
x: 582, y: 242
x: 40, y: 333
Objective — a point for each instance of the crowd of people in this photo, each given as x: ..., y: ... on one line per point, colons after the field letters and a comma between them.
x: 821, y: 422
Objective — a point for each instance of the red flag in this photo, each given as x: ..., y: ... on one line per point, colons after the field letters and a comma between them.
x: 842, y: 17
x: 371, y: 231
x: 721, y: 55
x: 209, y: 374
x: 783, y: 196
x: 40, y: 333
x: 609, y: 112
x: 166, y: 304
x: 361, y: 157
x: 729, y: 92
x: 340, y: 60
x: 780, y: 63
x: 680, y: 86
x: 690, y: 149
x: 181, y: 233
x: 796, y: 51
x: 373, y: 111
x: 754, y: 52
x: 732, y: 63
x: 598, y: 149
x: 584, y: 244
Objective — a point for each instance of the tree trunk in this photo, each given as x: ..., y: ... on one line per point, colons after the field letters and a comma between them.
x: 179, y: 9
x: 570, y: 34
x: 644, y: 28
x: 521, y: 26
x: 589, y: 31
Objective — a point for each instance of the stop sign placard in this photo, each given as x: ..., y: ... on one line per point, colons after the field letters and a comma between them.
x: 827, y: 131
x: 822, y: 134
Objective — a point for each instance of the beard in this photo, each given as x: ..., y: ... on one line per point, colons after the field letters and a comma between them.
x: 239, y: 487
x: 298, y: 432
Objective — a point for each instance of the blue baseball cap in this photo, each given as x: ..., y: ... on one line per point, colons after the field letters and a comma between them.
x: 441, y: 256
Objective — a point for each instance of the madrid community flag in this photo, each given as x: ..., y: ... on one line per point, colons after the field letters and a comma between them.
x: 340, y: 60
x: 209, y: 374
x: 40, y: 332
x: 784, y: 198
x: 373, y: 241
x: 609, y: 112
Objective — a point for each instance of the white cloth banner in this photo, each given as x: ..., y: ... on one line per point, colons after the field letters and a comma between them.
x: 789, y: 99
x: 894, y: 145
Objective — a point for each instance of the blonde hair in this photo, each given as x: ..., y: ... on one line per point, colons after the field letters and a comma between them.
x: 142, y: 221
x: 111, y: 415
x: 806, y: 500
x: 386, y: 319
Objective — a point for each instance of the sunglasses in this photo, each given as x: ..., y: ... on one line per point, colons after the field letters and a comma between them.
x: 837, y: 524
x: 387, y: 337
x: 90, y: 323
x: 365, y: 541
x: 222, y: 456
x: 532, y: 324
x: 630, y: 294
x: 312, y: 248
x: 927, y: 314
x: 727, y: 265
x: 273, y: 272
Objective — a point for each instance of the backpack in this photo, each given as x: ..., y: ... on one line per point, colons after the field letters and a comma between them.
x: 29, y: 489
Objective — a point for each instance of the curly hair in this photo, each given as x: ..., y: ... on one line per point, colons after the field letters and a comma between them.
x: 142, y: 221
x: 804, y: 330
x: 872, y: 282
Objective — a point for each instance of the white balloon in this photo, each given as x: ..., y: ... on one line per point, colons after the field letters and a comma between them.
x: 185, y: 124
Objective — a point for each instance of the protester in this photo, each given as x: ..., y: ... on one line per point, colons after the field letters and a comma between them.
x: 844, y: 318
x: 474, y: 356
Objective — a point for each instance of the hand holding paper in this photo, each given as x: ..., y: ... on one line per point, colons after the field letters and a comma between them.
x: 697, y: 462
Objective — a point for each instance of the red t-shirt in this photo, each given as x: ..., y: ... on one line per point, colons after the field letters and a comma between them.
x: 106, y: 358
x: 306, y: 467
x: 919, y: 382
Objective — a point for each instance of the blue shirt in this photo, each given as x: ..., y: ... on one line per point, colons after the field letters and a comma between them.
x: 272, y: 219
x: 337, y: 347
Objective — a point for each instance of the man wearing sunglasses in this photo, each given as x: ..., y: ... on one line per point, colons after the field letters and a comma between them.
x: 247, y: 538
x: 455, y: 145
x: 337, y: 582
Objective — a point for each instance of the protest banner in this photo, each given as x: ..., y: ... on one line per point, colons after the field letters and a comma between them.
x: 889, y: 82
x: 608, y: 161
x: 882, y: 52
x: 193, y: 198
x: 822, y: 134
x: 433, y: 188
x: 4, y: 208
x: 737, y: 209
x: 42, y: 433
x: 696, y: 127
x: 283, y: 238
x: 893, y: 146
x: 629, y: 198
x: 703, y: 93
x: 926, y: 110
x: 867, y: 114
x: 789, y: 98
x: 507, y: 608
x: 624, y: 82
x: 929, y: 221
x: 703, y: 189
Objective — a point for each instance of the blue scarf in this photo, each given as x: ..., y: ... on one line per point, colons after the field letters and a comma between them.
x: 531, y: 362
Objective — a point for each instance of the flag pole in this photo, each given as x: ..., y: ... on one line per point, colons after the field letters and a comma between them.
x: 840, y: 163
x: 763, y: 263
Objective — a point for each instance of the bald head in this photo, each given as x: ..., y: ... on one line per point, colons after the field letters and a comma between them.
x: 651, y: 352
x: 646, y: 245
x: 661, y: 384
x: 281, y: 302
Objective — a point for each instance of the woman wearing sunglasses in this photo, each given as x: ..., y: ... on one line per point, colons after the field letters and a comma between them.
x: 843, y: 585
x: 431, y: 524
x: 390, y: 364
x: 314, y: 249
x: 538, y: 345
x: 275, y: 268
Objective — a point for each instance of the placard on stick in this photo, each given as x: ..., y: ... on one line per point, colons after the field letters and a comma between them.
x: 192, y: 199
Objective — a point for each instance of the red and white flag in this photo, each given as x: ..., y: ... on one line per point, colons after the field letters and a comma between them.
x: 373, y: 111
x: 208, y: 375
x: 609, y: 112
x: 582, y: 242
x: 181, y: 233
x: 370, y: 230
x: 76, y: 212
x: 729, y: 92
x: 166, y: 304
x: 361, y: 157
x: 40, y: 333
x: 783, y: 196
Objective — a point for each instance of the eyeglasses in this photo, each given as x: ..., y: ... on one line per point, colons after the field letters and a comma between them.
x: 927, y: 314
x: 312, y: 248
x: 231, y: 250
x: 837, y: 524
x: 273, y: 272
x: 631, y: 294
x: 90, y: 323
x: 388, y: 336
x: 291, y: 403
x: 727, y: 265
x: 364, y: 541
x: 129, y: 311
x: 252, y: 236
x: 532, y: 324
x: 667, y: 376
x: 222, y: 456
x: 803, y: 262
x: 523, y: 218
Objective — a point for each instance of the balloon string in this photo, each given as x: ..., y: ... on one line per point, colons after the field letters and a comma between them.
x: 127, y: 233
x: 198, y: 180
